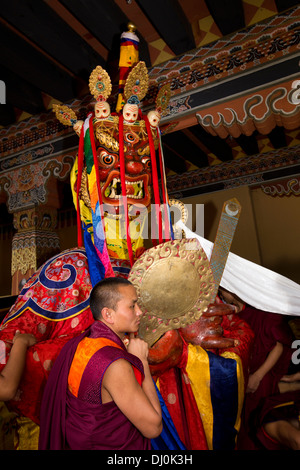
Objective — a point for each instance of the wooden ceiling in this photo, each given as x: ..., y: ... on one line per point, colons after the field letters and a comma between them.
x: 50, y: 47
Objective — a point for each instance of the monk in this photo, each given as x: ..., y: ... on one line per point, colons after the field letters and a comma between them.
x: 269, y: 361
x: 99, y: 394
x: 278, y: 426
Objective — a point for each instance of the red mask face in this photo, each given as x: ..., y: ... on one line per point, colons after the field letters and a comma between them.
x: 137, y: 165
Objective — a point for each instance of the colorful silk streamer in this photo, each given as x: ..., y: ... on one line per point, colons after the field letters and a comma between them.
x: 218, y: 391
x: 91, y: 220
x: 123, y: 187
x: 154, y: 179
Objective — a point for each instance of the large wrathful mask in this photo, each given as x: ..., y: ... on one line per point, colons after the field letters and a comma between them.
x: 113, y: 178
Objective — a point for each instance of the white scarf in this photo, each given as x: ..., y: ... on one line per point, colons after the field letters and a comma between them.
x: 255, y: 285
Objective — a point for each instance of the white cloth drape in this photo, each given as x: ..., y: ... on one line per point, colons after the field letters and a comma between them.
x: 258, y: 286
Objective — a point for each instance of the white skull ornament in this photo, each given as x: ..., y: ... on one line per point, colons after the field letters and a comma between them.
x: 77, y: 127
x: 102, y: 110
x: 130, y: 113
x: 154, y: 118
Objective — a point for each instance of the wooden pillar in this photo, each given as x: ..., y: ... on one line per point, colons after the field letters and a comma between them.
x: 34, y: 243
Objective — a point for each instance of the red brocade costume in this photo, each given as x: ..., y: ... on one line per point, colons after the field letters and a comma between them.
x: 204, y: 390
x: 54, y: 307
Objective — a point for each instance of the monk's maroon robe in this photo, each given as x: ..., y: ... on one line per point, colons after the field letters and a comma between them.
x: 69, y: 422
x: 280, y: 407
x: 269, y: 328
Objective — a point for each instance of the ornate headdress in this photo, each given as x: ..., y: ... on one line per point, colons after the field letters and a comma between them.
x: 162, y: 99
x: 65, y: 114
x: 136, y: 85
x: 100, y: 84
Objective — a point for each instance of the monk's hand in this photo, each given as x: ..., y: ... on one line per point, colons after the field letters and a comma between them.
x: 138, y: 347
x: 253, y: 383
x: 26, y: 338
x: 291, y: 378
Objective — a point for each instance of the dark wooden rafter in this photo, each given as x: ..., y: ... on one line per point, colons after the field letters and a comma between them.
x: 180, y: 143
x: 7, y: 115
x: 170, y: 22
x: 38, y: 22
x: 106, y: 21
x: 22, y: 94
x: 24, y: 60
x: 228, y: 14
x: 283, y: 5
x: 216, y: 145
x: 78, y: 27
x: 248, y: 143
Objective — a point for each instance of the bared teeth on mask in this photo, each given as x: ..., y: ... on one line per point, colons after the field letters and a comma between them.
x: 134, y: 189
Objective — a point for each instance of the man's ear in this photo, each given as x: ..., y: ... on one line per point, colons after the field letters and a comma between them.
x: 107, y: 315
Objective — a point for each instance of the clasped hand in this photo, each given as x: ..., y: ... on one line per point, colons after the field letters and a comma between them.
x: 138, y: 347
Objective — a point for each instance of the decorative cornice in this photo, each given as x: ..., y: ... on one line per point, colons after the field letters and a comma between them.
x: 261, y: 111
x: 26, y: 186
x: 265, y: 42
x: 198, y: 78
x: 39, y: 129
x: 286, y: 187
x: 254, y: 170
x: 40, y: 152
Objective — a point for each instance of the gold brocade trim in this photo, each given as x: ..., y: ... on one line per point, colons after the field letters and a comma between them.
x: 23, y: 259
x: 241, y: 384
x: 288, y: 403
x: 84, y: 192
x: 7, y: 428
x: 198, y: 360
x: 17, y: 432
x: 27, y: 435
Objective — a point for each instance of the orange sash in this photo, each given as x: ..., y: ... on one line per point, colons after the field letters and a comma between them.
x: 85, y: 350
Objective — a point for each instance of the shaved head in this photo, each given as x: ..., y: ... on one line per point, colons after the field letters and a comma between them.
x: 106, y: 294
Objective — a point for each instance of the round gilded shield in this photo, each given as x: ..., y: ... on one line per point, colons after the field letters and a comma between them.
x: 174, y: 284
